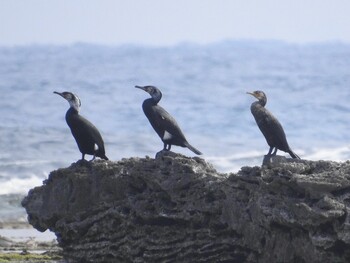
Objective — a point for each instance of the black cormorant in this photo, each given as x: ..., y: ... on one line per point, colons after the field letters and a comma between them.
x: 162, y: 122
x: 269, y: 125
x: 86, y: 135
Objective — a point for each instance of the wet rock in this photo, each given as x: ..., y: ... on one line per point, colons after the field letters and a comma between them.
x: 179, y: 209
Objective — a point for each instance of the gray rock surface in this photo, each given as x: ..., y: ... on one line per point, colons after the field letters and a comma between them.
x: 180, y: 209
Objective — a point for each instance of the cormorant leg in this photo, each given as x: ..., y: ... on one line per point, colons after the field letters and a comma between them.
x: 83, y: 156
x: 270, y: 151
x: 164, y: 148
x: 275, y: 151
x: 169, y: 146
x: 93, y: 158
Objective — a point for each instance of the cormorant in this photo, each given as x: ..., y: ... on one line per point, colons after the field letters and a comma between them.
x: 162, y: 122
x: 269, y: 125
x: 88, y: 138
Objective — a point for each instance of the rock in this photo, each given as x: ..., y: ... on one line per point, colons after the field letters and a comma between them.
x: 179, y: 209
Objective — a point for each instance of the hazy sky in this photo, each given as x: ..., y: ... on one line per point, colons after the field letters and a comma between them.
x: 164, y: 22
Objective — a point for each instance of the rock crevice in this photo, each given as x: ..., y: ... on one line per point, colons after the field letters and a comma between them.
x: 180, y: 209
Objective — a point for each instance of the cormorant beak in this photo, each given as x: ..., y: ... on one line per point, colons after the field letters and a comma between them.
x: 143, y: 88
x: 253, y: 94
x: 61, y: 94
x: 58, y: 93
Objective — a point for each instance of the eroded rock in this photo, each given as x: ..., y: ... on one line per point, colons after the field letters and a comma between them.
x: 179, y: 209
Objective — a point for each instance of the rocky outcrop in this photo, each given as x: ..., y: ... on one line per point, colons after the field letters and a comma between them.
x: 179, y: 209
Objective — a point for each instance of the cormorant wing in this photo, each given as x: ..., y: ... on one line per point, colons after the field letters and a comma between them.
x: 84, y: 131
x: 168, y: 124
x: 273, y: 131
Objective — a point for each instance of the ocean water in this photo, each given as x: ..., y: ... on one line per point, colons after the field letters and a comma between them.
x: 204, y: 88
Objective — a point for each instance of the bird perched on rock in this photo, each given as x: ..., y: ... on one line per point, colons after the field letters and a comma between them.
x: 269, y: 125
x: 88, y: 138
x: 162, y: 122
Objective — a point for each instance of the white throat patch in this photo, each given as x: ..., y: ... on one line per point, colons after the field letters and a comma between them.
x: 75, y: 103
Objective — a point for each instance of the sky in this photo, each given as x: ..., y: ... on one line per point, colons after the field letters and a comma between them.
x: 165, y: 22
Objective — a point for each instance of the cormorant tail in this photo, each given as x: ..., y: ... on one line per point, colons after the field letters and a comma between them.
x: 293, y: 155
x: 102, y: 156
x: 189, y: 146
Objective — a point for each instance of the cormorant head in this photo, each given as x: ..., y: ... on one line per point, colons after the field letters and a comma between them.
x: 73, y: 99
x: 260, y: 95
x: 155, y: 93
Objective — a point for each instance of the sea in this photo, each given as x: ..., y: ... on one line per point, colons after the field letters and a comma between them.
x: 204, y: 88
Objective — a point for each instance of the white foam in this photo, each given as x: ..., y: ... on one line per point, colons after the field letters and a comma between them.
x: 20, y: 185
x: 233, y: 162
x: 338, y: 154
x: 23, y: 235
x: 23, y: 162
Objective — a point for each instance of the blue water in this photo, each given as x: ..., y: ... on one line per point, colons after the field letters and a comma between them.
x: 204, y: 88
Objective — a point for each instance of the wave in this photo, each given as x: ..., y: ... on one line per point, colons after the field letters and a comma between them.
x: 234, y: 162
x: 16, y: 185
x: 24, y: 162
x: 339, y: 154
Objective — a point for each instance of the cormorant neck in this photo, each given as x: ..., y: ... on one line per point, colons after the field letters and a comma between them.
x: 75, y: 104
x: 150, y: 101
x: 72, y: 110
x: 256, y: 105
x: 156, y: 97
x: 262, y: 101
